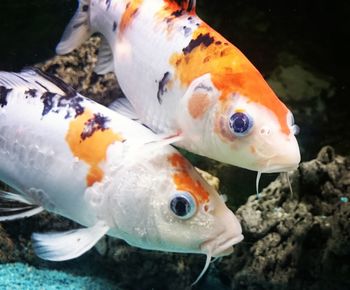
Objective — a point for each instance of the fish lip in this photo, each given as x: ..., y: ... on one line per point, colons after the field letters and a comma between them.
x: 220, y: 246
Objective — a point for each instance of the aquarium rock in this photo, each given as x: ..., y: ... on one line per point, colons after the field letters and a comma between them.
x: 297, y: 240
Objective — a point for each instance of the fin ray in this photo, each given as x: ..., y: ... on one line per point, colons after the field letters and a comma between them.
x: 68, y: 245
x: 22, y: 208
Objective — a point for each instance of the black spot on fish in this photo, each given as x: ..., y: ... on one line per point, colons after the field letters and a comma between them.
x: 96, y: 123
x: 202, y: 39
x: 218, y: 42
x: 108, y: 3
x: 76, y: 105
x: 48, y: 101
x: 85, y: 8
x: 162, y: 86
x: 187, y: 31
x: 3, y: 95
x: 31, y: 93
x: 114, y: 26
x: 177, y: 13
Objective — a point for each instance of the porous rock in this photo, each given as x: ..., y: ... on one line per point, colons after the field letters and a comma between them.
x: 297, y: 240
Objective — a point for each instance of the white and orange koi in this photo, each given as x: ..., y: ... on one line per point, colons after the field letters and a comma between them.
x: 184, y: 79
x: 64, y: 153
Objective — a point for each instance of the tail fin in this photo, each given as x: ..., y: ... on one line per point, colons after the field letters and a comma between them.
x: 77, y: 31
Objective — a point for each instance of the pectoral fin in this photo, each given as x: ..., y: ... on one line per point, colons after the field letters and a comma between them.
x: 104, y: 59
x: 77, y: 31
x: 68, y: 245
x: 125, y: 108
x: 14, y: 206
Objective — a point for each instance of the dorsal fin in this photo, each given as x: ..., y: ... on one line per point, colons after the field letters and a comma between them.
x: 60, y: 84
x: 188, y: 5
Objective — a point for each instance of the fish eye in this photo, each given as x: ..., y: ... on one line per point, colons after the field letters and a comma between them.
x: 240, y: 124
x: 183, y: 205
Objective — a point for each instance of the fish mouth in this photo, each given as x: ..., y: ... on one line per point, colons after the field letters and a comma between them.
x: 220, y: 246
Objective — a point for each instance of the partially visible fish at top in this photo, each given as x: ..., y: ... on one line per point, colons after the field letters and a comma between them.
x: 64, y: 153
x: 187, y: 82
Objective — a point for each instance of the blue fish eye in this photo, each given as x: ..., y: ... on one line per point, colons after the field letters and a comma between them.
x: 183, y: 205
x: 240, y: 124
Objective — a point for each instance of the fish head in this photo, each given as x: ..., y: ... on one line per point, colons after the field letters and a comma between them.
x: 163, y: 204
x: 232, y: 125
x: 256, y: 137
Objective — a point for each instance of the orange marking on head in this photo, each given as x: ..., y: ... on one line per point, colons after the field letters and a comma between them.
x: 129, y: 14
x: 198, y: 105
x: 230, y: 70
x: 185, y: 181
x: 93, y: 149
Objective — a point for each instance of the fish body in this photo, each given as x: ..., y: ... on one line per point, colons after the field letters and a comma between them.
x: 64, y: 153
x: 184, y: 79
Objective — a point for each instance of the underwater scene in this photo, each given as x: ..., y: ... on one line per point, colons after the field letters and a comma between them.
x: 174, y: 144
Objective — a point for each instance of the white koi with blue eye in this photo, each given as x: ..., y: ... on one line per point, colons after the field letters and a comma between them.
x: 184, y: 79
x: 64, y: 153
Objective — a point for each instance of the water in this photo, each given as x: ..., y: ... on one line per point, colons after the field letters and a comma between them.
x: 302, y: 48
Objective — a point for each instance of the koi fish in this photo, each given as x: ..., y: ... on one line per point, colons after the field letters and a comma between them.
x: 185, y: 81
x: 69, y: 155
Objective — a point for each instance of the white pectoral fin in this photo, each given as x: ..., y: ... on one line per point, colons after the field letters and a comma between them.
x: 104, y: 59
x: 14, y: 206
x: 164, y: 140
x: 77, y: 30
x: 124, y: 107
x: 68, y: 245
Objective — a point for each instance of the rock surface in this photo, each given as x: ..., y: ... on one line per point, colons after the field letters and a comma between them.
x: 299, y: 240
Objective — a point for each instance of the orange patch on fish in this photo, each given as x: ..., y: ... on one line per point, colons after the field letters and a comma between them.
x: 198, y: 105
x: 184, y: 181
x: 231, y: 71
x: 178, y: 160
x: 92, y: 149
x: 130, y: 12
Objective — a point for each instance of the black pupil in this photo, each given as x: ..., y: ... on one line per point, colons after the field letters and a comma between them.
x: 180, y: 206
x: 239, y: 122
